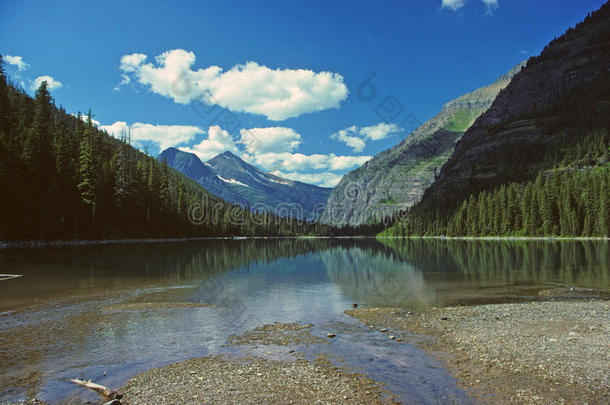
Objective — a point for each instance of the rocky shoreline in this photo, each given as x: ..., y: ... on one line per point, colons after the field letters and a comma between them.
x: 551, y: 352
x: 544, y: 352
x: 253, y: 380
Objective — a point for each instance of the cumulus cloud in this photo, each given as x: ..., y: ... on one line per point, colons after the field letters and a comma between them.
x: 84, y: 118
x: 453, y: 4
x: 270, y: 139
x: 218, y: 141
x: 380, y: 131
x: 271, y: 149
x: 300, y: 162
x: 356, y: 137
x: 130, y: 63
x: 491, y: 5
x: 52, y: 84
x: 16, y: 61
x: 162, y: 135
x: 323, y: 179
x: 277, y: 94
x: 348, y: 137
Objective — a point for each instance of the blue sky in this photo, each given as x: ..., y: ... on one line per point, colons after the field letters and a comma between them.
x: 275, y: 82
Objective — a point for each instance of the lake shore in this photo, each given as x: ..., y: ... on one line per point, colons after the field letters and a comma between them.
x: 535, y: 352
x: 41, y: 243
x: 252, y: 380
x: 499, y: 238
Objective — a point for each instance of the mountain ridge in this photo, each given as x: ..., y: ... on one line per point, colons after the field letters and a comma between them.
x: 571, y: 60
x: 537, y: 162
x: 228, y: 176
x: 368, y: 193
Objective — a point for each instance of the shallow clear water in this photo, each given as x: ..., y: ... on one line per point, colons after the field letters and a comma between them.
x: 70, y: 314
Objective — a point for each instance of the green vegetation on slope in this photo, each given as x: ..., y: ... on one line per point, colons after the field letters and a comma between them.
x: 564, y: 191
x: 62, y: 178
x: 397, y: 177
x: 462, y: 120
x: 562, y: 203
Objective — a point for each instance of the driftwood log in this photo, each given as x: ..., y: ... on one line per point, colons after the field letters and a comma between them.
x: 106, y: 392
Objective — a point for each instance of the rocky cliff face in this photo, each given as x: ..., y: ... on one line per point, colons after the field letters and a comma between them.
x: 235, y: 181
x: 508, y: 141
x: 396, y: 178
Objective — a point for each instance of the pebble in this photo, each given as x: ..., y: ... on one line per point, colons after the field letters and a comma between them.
x: 558, y: 342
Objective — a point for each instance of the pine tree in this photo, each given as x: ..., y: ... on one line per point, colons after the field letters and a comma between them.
x: 471, y: 216
x: 123, y: 187
x: 5, y: 104
x: 483, y: 220
x: 38, y: 143
x: 87, y: 171
x: 604, y: 209
x: 152, y: 190
x: 164, y: 193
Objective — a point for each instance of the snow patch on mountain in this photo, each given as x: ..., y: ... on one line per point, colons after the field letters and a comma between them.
x: 232, y: 181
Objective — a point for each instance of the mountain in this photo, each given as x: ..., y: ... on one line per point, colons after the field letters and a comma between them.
x: 536, y: 162
x: 69, y: 180
x: 235, y: 181
x: 397, y: 177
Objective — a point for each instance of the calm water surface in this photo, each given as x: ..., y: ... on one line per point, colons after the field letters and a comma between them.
x: 72, y: 313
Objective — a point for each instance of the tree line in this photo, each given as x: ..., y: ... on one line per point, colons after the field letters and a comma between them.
x: 63, y: 178
x: 561, y: 203
x: 553, y: 185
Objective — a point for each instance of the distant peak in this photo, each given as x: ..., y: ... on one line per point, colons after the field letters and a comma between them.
x: 170, y: 150
x: 226, y: 155
x: 229, y: 154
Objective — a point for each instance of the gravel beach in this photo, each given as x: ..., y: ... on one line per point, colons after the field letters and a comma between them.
x: 255, y: 380
x: 538, y: 352
x: 224, y: 380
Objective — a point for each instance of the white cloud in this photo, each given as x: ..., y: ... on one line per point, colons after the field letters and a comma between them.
x: 355, y: 137
x: 348, y: 137
x: 453, y: 4
x: 324, y: 179
x: 16, y: 61
x: 218, y: 141
x: 380, y: 131
x: 299, y: 162
x: 115, y: 129
x: 52, y: 84
x: 162, y: 135
x: 130, y: 63
x: 271, y: 139
x: 84, y: 118
x: 277, y: 94
x: 491, y: 5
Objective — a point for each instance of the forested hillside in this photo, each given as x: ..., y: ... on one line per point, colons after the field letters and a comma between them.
x: 62, y: 178
x: 536, y: 163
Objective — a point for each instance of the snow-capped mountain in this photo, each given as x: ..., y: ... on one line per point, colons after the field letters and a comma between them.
x: 229, y: 177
